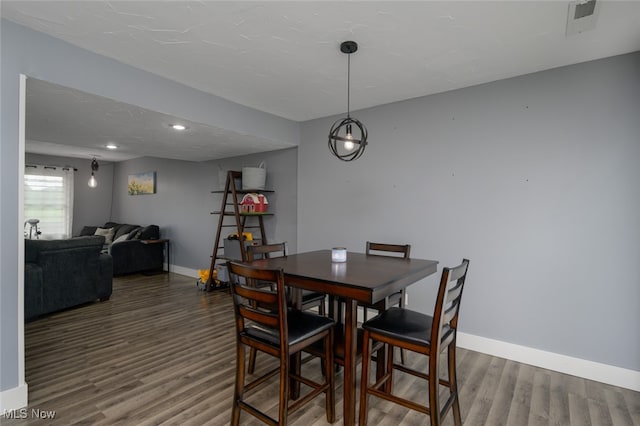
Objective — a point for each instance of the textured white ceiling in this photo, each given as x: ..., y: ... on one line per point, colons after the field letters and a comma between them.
x: 67, y: 122
x: 284, y: 58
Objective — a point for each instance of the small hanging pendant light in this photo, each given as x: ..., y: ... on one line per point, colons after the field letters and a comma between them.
x: 343, y: 142
x: 94, y: 168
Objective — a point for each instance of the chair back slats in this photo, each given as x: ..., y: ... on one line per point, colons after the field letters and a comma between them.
x: 458, y: 272
x: 452, y: 302
x: 260, y: 295
x: 450, y: 312
x: 403, y: 249
x: 258, y: 306
x: 259, y: 316
x: 448, y: 300
x: 267, y: 251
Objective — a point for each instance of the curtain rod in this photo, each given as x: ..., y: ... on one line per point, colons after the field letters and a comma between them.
x: 35, y: 166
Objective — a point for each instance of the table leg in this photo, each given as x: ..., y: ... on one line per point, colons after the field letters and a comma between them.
x: 350, y: 349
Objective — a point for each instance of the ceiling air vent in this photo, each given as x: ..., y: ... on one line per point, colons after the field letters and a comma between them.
x: 582, y: 16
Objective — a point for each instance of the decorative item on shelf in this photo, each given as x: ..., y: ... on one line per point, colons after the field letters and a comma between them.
x: 254, y: 177
x: 254, y: 203
x: 203, y: 279
x: 343, y: 143
x: 246, y: 236
x: 94, y: 168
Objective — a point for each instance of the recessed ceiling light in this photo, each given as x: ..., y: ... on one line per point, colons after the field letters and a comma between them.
x: 112, y: 146
x: 178, y: 127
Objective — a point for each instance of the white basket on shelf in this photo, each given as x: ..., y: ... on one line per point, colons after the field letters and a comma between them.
x: 254, y: 177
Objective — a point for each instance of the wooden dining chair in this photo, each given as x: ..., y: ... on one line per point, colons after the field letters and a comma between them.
x: 310, y: 299
x: 395, y: 299
x: 383, y: 249
x: 265, y: 322
x: 427, y: 335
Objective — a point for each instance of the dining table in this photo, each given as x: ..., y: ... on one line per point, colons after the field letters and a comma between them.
x: 360, y: 278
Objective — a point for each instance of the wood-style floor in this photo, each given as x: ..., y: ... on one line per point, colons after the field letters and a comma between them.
x: 162, y: 352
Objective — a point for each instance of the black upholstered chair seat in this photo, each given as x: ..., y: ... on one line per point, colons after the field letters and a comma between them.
x: 405, y: 325
x: 302, y: 325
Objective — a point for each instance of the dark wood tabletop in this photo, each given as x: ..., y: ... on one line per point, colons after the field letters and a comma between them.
x: 364, y: 278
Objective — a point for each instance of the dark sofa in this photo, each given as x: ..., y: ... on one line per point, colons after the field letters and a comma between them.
x: 130, y: 254
x: 60, y: 274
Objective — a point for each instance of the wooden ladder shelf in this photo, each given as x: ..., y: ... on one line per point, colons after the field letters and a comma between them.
x: 230, y: 208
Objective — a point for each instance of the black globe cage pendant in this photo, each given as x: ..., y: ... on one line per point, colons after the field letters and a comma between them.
x: 348, y: 136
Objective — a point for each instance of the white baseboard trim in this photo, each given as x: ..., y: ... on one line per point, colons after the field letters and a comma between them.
x: 609, y: 374
x: 183, y: 271
x: 14, y: 398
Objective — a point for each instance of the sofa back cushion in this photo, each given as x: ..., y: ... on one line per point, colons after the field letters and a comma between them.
x: 120, y: 229
x: 72, y: 276
x: 32, y: 248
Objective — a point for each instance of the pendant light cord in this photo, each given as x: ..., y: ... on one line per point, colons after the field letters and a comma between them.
x: 348, y: 85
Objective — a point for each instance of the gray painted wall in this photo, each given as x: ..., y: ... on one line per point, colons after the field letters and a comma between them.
x: 34, y: 54
x: 183, y: 201
x: 534, y: 178
x: 92, y: 206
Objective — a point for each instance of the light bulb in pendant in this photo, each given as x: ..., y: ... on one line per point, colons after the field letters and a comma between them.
x: 92, y: 181
x: 348, y: 144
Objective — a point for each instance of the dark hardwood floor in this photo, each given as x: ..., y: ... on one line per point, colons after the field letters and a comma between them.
x: 162, y: 352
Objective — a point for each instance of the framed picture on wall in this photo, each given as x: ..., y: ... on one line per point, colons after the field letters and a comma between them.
x: 142, y: 183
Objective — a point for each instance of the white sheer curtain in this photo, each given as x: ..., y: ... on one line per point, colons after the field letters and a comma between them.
x: 48, y: 197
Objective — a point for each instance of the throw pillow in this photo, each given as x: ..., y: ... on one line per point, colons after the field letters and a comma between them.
x: 106, y: 233
x: 121, y: 238
x: 88, y: 230
x: 124, y: 230
x: 149, y: 232
x: 133, y: 235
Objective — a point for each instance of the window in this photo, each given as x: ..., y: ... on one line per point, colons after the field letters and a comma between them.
x: 48, y: 197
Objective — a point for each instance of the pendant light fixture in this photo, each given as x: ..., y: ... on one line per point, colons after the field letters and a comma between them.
x: 343, y: 142
x: 94, y: 168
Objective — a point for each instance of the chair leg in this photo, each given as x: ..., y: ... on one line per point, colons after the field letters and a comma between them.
x: 252, y: 361
x: 364, y: 381
x: 453, y: 382
x: 239, y: 388
x: 434, y: 380
x: 389, y: 384
x: 330, y: 378
x: 283, y: 409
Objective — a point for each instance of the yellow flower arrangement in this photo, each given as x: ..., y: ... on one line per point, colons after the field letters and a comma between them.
x: 204, y: 275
